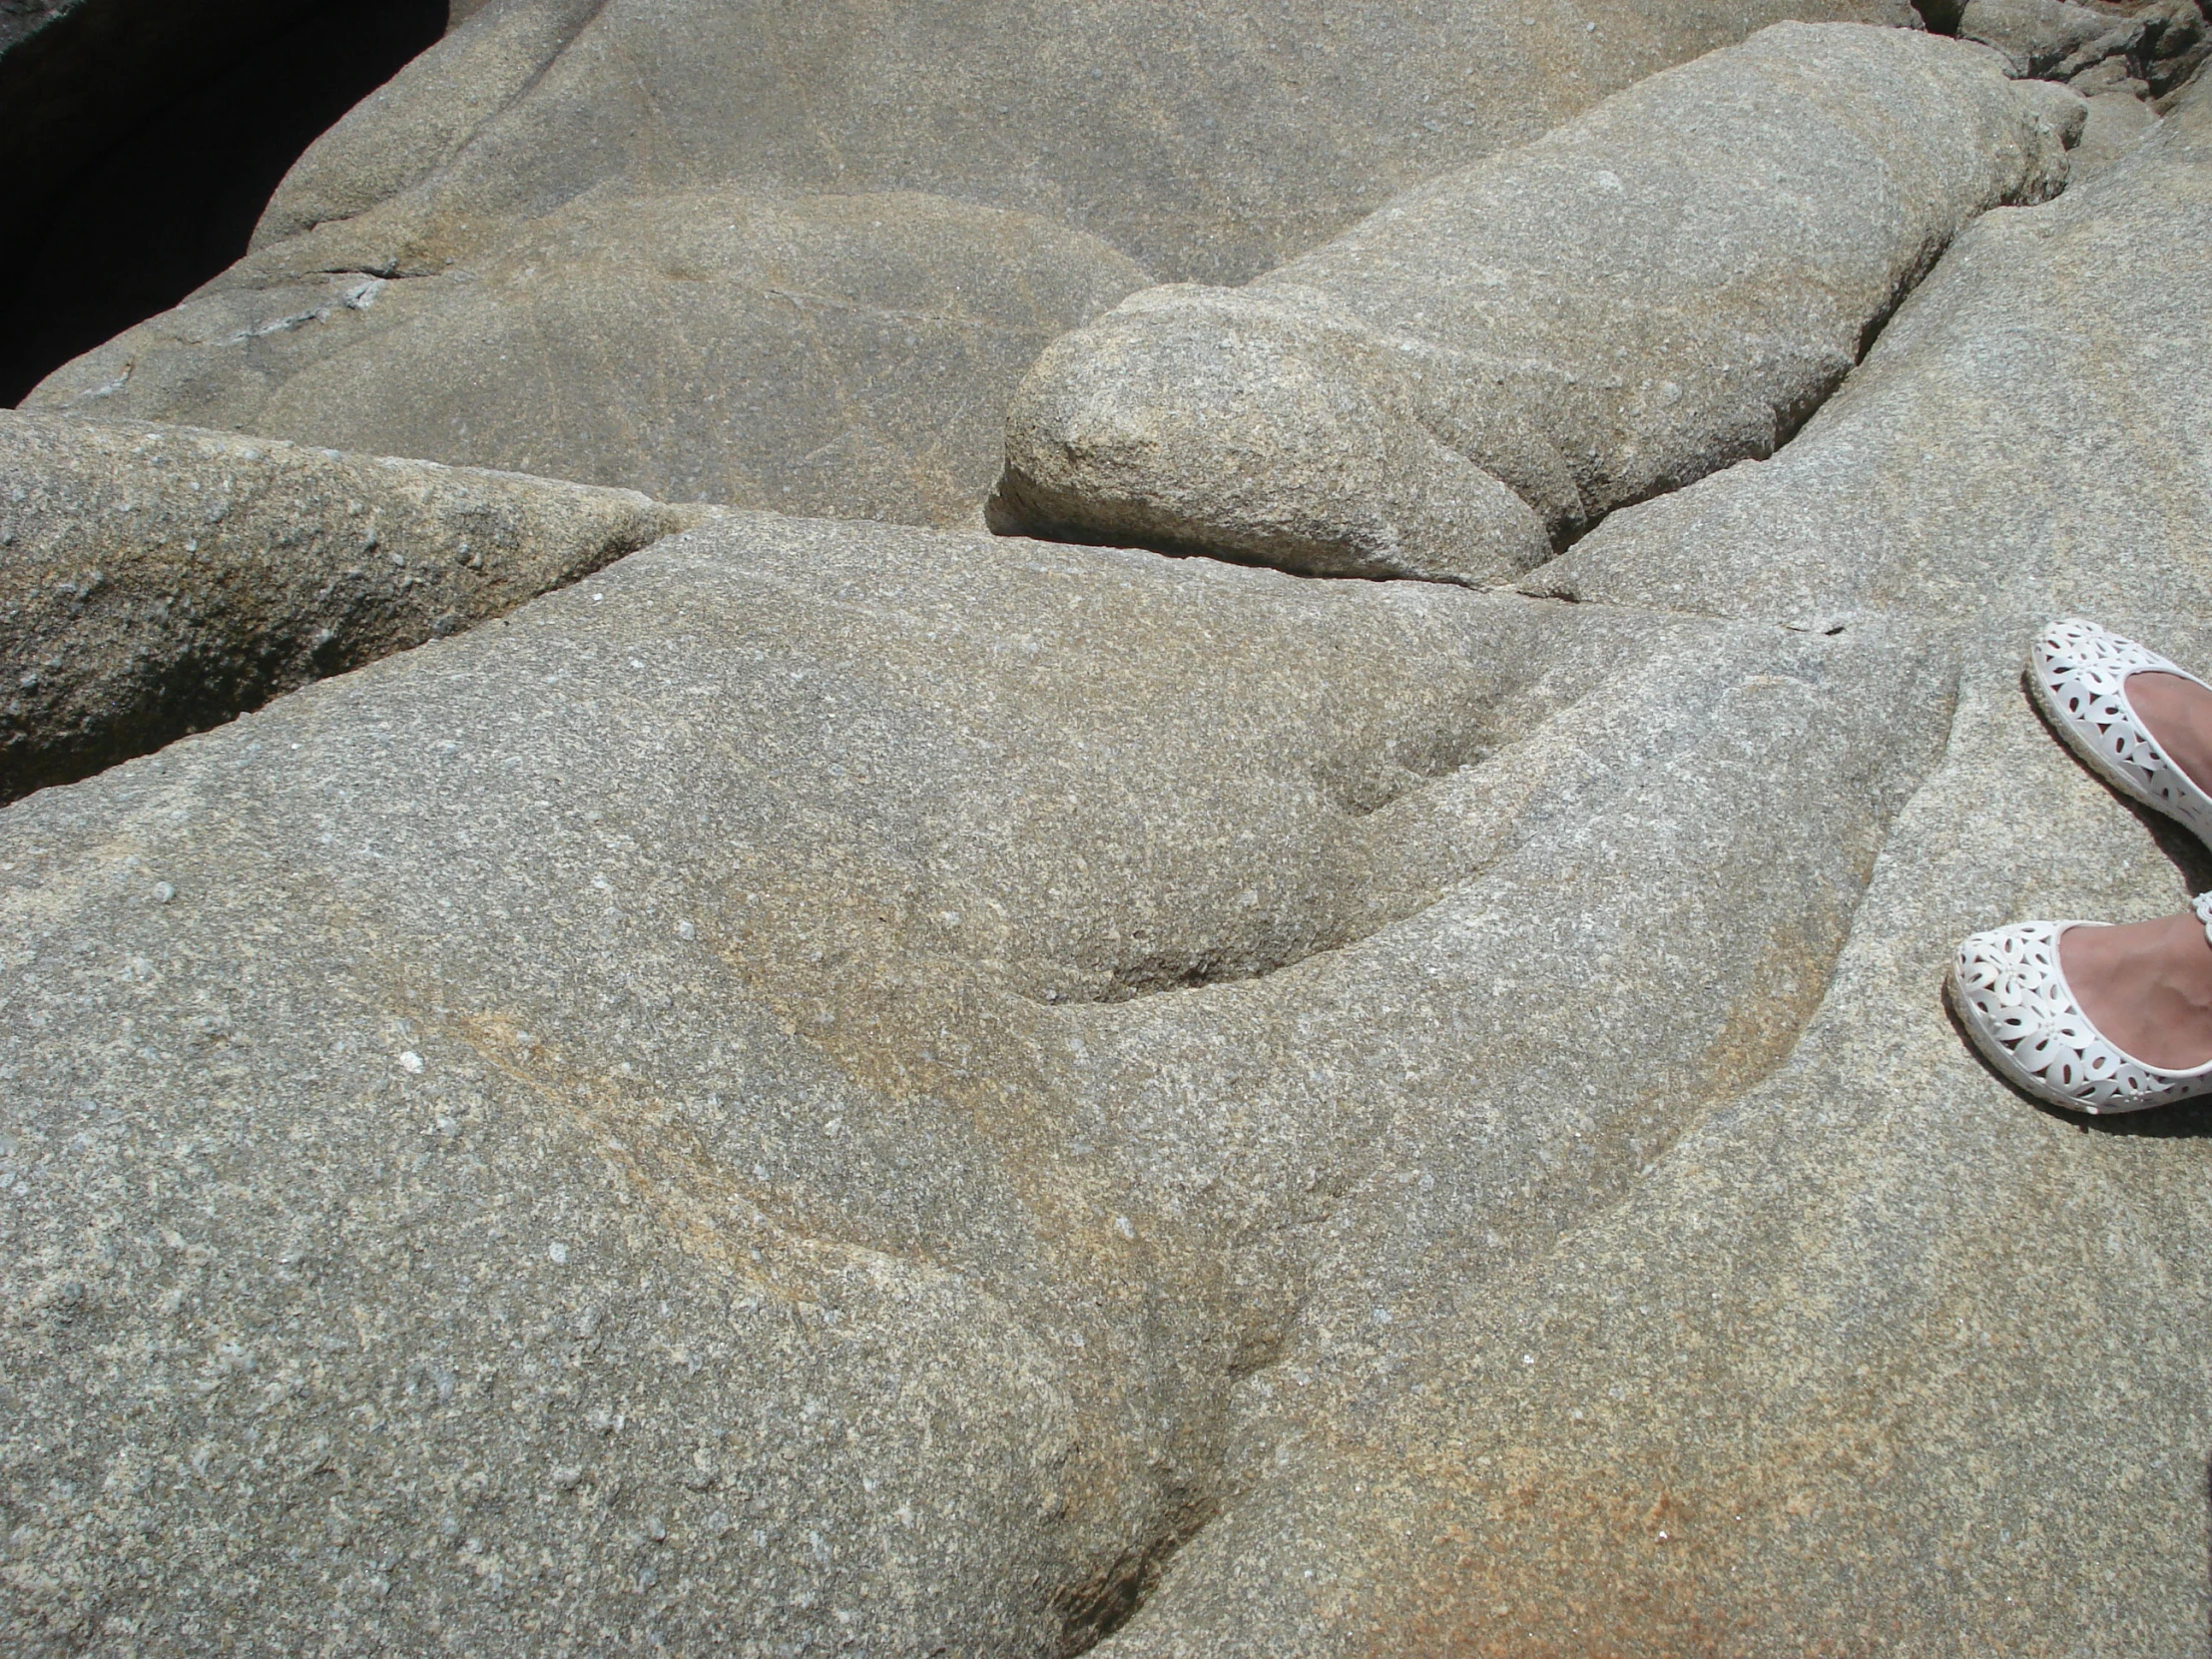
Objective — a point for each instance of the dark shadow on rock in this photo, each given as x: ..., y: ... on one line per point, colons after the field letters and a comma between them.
x: 1095, y: 1611
x: 153, y: 199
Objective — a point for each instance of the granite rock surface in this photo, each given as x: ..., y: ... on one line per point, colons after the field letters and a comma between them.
x: 531, y: 190
x: 1497, y: 358
x: 1879, y: 1356
x: 846, y: 354
x: 846, y: 1087
x: 2145, y: 50
x: 2117, y: 121
x: 156, y: 579
x: 2049, y: 333
x: 772, y: 1096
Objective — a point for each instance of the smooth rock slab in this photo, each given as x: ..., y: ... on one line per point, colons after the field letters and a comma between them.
x: 157, y: 580
x: 1204, y: 144
x: 2037, y: 37
x: 1879, y: 1358
x: 1499, y: 357
x: 2021, y: 440
x: 771, y: 1098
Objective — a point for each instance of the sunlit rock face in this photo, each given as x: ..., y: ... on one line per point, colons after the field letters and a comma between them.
x: 835, y: 1085
x: 904, y: 1022
x: 797, y: 257
x: 1877, y: 1321
x: 1493, y: 362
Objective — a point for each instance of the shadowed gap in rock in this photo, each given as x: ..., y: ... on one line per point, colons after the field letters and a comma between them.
x: 167, y: 190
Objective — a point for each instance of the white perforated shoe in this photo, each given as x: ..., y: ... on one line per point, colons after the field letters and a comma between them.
x: 2079, y: 674
x: 2010, y: 994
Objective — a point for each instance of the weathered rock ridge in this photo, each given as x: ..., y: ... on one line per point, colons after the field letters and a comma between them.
x: 1499, y: 357
x: 154, y: 580
x: 844, y: 354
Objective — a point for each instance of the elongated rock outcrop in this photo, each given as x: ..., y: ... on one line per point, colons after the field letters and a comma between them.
x: 847, y: 355
x: 1498, y: 358
x: 158, y: 579
x: 2042, y: 347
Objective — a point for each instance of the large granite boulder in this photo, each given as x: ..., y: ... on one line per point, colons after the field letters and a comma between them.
x: 157, y: 580
x: 1501, y: 356
x: 642, y: 336
x: 778, y: 1096
x: 1878, y: 1355
x: 2040, y: 337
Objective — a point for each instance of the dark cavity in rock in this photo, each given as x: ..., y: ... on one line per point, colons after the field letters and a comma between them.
x: 149, y: 137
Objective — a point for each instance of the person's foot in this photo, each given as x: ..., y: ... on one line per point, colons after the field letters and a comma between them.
x: 2139, y: 721
x: 2177, y: 713
x: 2146, y: 986
x: 2089, y: 1017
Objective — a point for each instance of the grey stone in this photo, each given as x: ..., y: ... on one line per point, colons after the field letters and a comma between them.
x: 771, y: 1099
x: 2176, y: 44
x: 2146, y: 50
x: 21, y: 19
x: 846, y: 354
x: 1194, y: 142
x: 1876, y: 1355
x: 2117, y: 123
x: 2038, y: 35
x: 2108, y: 76
x: 417, y: 123
x: 153, y: 580
x: 1204, y: 143
x: 839, y: 1087
x: 2055, y: 333
x: 1499, y: 357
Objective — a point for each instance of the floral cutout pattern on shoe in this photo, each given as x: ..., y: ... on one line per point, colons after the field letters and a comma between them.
x: 2079, y: 672
x: 2013, y: 997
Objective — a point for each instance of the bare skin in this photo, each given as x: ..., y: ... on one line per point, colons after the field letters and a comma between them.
x: 2147, y: 985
